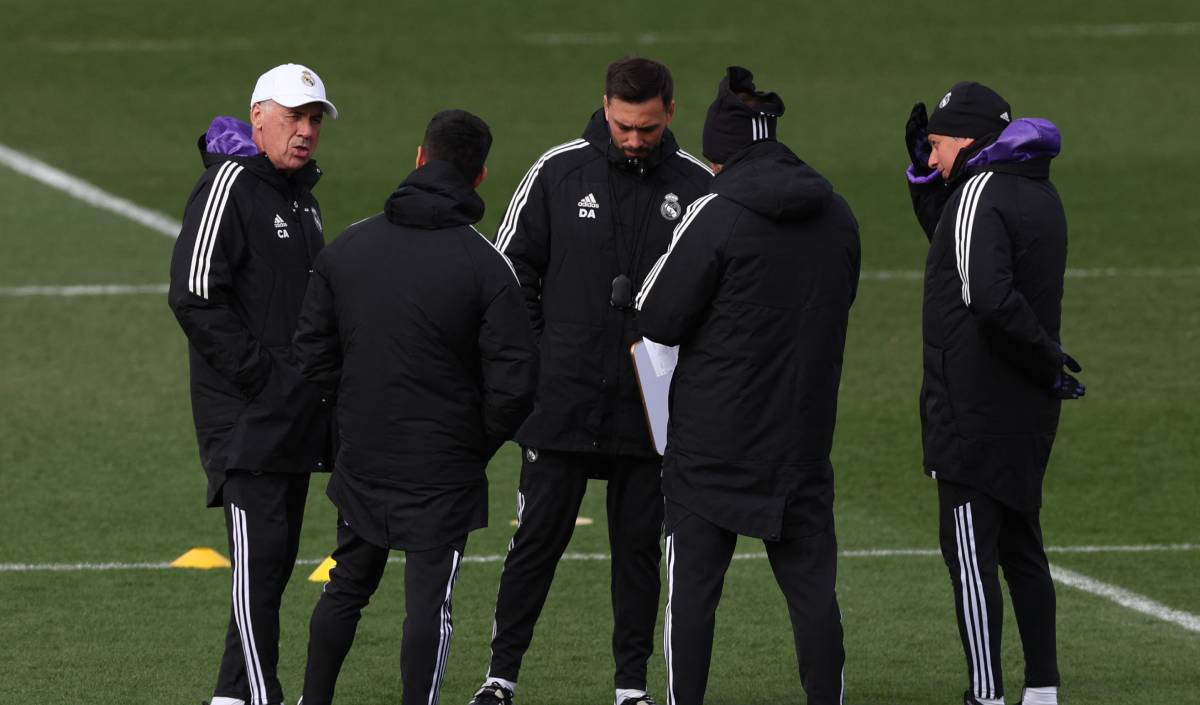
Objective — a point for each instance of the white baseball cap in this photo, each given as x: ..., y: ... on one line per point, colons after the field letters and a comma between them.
x: 292, y: 85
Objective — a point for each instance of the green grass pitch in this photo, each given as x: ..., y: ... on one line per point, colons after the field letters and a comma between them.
x: 96, y: 445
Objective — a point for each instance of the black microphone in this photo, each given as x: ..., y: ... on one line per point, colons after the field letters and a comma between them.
x: 622, y: 292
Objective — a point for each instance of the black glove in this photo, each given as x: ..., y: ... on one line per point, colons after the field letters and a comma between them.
x: 916, y: 139
x: 1065, y: 385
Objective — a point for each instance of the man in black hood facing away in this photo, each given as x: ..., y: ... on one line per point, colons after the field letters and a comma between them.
x: 756, y: 291
x: 417, y: 323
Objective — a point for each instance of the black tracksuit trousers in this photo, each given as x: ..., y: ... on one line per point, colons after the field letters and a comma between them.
x: 551, y: 490
x: 979, y: 535
x: 263, y: 516
x: 698, y: 554
x: 429, y: 578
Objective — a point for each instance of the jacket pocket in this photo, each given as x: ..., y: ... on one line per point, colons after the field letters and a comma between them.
x: 284, y: 427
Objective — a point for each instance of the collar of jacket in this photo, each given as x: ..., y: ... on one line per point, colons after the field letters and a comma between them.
x: 599, y: 136
x: 768, y: 178
x: 1025, y: 147
x: 432, y: 197
x: 306, y: 176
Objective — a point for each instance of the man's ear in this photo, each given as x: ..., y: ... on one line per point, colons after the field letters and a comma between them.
x: 422, y: 158
x: 256, y: 114
x: 479, y: 179
x: 670, y: 112
x: 604, y: 101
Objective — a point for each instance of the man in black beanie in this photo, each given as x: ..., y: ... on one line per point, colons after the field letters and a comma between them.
x: 756, y: 291
x: 994, y: 373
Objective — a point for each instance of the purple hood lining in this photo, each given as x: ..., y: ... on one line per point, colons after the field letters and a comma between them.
x: 1024, y: 140
x: 228, y: 135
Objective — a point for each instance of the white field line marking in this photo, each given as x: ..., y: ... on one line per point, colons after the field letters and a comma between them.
x: 93, y: 195
x: 144, y: 45
x: 583, y: 557
x: 1072, y: 273
x: 83, y: 290
x: 1125, y: 598
x: 1141, y: 29
x: 125, y: 289
x: 88, y: 193
x: 569, y: 38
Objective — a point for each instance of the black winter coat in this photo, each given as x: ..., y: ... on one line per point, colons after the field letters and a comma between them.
x: 756, y: 291
x: 238, y: 274
x: 582, y: 215
x: 418, y: 322
x: 991, y: 316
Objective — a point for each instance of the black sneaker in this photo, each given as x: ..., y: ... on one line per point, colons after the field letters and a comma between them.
x: 492, y: 694
x: 639, y: 700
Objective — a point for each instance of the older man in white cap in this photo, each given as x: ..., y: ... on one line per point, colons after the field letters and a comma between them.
x: 238, y: 275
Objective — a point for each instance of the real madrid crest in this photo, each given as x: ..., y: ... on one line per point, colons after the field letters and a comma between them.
x: 670, y: 208
x: 531, y: 455
x: 307, y: 79
x: 945, y: 101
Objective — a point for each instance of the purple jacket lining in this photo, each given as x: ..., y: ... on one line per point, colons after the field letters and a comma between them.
x: 227, y: 135
x: 1025, y: 139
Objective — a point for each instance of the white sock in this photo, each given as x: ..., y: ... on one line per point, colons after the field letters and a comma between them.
x: 492, y: 680
x: 989, y: 701
x: 624, y: 693
x: 221, y: 700
x: 1040, y: 696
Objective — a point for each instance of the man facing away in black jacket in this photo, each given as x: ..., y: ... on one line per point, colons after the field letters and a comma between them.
x: 755, y: 290
x: 417, y: 323
x: 238, y: 276
x: 993, y: 367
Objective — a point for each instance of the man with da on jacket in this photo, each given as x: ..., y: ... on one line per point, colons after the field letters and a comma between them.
x: 756, y: 291
x: 583, y: 229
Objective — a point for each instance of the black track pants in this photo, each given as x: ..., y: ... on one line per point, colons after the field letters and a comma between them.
x: 551, y: 490
x: 978, y: 536
x: 429, y: 578
x: 263, y: 516
x: 698, y: 554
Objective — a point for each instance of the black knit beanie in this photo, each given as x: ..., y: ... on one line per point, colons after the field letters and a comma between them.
x: 732, y: 125
x: 970, y: 109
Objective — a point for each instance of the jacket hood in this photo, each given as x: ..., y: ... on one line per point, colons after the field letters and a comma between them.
x: 228, y: 137
x: 598, y: 135
x: 432, y: 197
x: 769, y: 179
x: 1026, y: 139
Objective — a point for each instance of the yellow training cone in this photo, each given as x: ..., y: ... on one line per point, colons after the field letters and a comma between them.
x: 321, y: 574
x: 200, y: 557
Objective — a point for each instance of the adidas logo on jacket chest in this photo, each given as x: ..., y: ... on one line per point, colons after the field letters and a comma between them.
x: 588, y: 206
x: 284, y: 229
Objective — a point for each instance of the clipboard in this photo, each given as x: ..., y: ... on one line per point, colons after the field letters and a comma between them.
x: 655, y: 366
